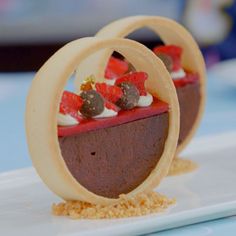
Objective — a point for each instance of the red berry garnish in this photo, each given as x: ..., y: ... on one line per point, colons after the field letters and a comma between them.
x: 115, y: 68
x: 112, y: 93
x: 136, y: 78
x: 173, y: 51
x: 111, y: 106
x: 70, y: 104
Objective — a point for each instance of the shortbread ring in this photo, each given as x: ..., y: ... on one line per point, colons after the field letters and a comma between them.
x: 43, y: 105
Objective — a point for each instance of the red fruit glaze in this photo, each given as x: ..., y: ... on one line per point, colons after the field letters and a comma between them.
x: 115, y: 68
x: 70, y: 104
x: 157, y: 107
x: 111, y: 93
x: 173, y: 51
x: 190, y: 78
x: 136, y: 78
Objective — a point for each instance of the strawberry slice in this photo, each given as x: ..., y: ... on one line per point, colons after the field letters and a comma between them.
x: 111, y: 93
x: 136, y: 78
x: 70, y: 104
x: 111, y: 106
x: 115, y: 68
x: 173, y: 51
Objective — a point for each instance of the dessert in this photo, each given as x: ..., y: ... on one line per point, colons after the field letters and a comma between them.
x: 188, y: 71
x: 102, y: 141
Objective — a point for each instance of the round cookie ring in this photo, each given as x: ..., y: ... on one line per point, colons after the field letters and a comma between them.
x: 171, y: 33
x: 43, y: 104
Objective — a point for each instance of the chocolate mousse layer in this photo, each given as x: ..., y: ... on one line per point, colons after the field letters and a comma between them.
x: 115, y: 160
x: 189, y: 101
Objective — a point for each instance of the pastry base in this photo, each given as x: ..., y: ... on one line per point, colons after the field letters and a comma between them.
x: 141, y: 204
x: 181, y: 166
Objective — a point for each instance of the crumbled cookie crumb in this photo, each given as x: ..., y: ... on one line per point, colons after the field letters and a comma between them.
x: 141, y: 204
x: 182, y: 166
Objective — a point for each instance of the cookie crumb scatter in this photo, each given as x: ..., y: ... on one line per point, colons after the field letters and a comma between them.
x: 182, y: 166
x: 141, y: 204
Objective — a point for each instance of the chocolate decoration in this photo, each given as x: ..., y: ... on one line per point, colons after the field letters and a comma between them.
x: 130, y: 96
x: 115, y: 160
x: 189, y: 102
x: 93, y: 103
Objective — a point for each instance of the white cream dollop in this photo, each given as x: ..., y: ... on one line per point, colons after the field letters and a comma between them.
x: 145, y: 101
x: 106, y: 113
x: 66, y: 120
x: 110, y: 81
x: 178, y: 74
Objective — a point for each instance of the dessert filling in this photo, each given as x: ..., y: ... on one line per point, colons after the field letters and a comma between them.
x: 189, y: 101
x: 115, y: 160
x: 119, y: 136
x: 187, y: 87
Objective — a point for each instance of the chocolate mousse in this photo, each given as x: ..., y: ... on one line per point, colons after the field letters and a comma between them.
x: 115, y: 160
x: 189, y: 102
x: 187, y: 87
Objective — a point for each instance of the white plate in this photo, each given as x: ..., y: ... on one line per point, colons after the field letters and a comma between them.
x: 206, y: 194
x: 225, y: 71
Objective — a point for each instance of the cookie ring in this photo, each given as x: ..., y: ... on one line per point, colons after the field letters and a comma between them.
x: 43, y: 105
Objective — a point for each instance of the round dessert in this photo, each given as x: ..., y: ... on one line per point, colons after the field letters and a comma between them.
x: 106, y: 139
x: 180, y: 55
